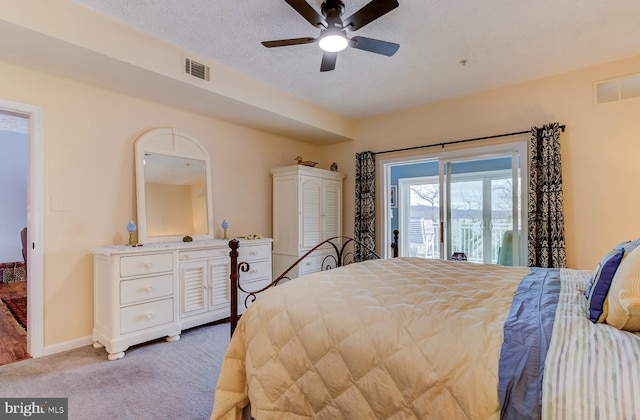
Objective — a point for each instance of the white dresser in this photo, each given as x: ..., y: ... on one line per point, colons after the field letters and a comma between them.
x: 307, y: 209
x: 157, y: 290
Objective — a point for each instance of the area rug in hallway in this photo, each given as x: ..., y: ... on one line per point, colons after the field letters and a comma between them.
x: 12, y: 272
x: 18, y: 307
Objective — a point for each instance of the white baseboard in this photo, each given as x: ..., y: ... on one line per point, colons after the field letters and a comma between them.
x: 67, y: 345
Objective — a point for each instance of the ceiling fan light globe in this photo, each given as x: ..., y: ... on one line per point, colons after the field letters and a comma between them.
x: 333, y: 43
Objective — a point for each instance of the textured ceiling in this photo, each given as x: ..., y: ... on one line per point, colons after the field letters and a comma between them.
x: 502, y: 42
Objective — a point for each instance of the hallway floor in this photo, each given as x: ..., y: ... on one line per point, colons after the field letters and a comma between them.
x: 13, y: 338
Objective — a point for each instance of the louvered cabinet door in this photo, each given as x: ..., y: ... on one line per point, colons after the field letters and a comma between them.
x: 310, y: 207
x: 193, y: 288
x: 204, y: 288
x: 219, y: 284
x: 331, y: 208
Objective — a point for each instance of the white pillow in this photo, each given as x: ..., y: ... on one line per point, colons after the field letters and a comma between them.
x: 623, y: 300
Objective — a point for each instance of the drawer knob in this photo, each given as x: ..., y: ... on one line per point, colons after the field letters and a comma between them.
x: 149, y: 288
x: 148, y: 265
x: 252, y: 253
x: 149, y: 315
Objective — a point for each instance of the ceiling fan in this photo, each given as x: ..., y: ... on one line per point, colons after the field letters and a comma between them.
x: 333, y: 30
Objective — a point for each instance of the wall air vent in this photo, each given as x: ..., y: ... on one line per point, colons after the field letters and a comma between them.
x: 199, y: 70
x: 616, y: 89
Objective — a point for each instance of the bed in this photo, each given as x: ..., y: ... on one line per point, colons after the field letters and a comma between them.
x: 419, y: 338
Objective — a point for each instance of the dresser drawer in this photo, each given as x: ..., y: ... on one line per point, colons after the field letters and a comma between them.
x: 257, y: 269
x: 199, y: 254
x: 316, y: 263
x: 145, y: 264
x: 311, y: 264
x: 253, y: 252
x: 138, y: 290
x: 146, y: 315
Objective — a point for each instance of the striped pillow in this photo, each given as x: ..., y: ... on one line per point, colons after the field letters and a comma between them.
x: 600, y: 283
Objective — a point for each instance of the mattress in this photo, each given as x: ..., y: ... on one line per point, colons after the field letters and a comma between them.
x: 404, y: 337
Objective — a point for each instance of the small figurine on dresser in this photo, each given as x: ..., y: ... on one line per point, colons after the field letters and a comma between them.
x: 305, y: 162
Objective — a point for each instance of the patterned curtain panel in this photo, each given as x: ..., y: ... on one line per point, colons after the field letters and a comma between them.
x: 364, y: 225
x: 546, y: 214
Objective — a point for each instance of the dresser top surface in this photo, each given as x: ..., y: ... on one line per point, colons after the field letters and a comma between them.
x: 171, y: 246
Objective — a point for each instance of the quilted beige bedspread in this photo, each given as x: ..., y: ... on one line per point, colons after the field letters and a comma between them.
x: 395, y: 338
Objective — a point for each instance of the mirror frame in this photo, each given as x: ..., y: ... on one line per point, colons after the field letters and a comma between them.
x: 169, y: 142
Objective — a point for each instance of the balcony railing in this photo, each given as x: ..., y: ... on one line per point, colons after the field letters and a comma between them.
x: 466, y: 236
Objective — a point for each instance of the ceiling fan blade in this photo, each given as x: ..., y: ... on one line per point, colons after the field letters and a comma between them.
x: 374, y: 45
x: 308, y: 12
x: 328, y: 61
x: 368, y: 13
x: 285, y: 42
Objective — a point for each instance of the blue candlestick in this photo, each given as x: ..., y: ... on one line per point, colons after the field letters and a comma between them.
x: 131, y: 227
x: 225, y: 226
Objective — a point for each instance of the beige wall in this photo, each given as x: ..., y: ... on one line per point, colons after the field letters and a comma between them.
x: 600, y: 148
x: 89, y: 136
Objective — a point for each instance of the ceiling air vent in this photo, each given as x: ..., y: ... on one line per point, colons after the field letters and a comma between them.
x: 199, y: 70
x: 614, y: 90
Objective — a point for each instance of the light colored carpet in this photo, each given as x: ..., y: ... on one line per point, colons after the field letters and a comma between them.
x: 157, y: 380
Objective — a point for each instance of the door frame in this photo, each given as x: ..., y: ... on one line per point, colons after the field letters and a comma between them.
x: 384, y: 179
x: 35, y: 223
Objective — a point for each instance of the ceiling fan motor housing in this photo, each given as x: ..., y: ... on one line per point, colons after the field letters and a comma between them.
x: 331, y: 9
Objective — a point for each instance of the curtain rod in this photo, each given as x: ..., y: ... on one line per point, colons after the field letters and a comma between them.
x: 562, y: 127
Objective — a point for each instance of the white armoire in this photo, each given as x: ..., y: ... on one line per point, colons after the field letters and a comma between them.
x: 307, y: 209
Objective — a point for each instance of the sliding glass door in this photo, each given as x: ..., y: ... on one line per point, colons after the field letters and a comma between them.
x: 419, y: 215
x: 481, y: 208
x: 462, y: 203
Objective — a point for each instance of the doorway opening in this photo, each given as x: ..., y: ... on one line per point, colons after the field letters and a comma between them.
x: 21, y: 231
x: 14, y: 141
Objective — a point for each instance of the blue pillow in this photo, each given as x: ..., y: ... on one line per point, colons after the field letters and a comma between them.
x: 600, y: 283
x: 626, y: 246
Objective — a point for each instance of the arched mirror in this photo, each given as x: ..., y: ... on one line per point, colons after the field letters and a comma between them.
x: 173, y: 185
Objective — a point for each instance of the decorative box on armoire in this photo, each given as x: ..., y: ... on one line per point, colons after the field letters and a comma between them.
x: 307, y: 209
